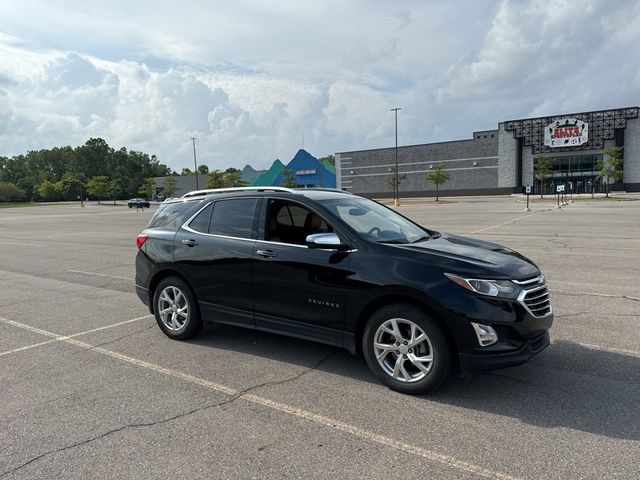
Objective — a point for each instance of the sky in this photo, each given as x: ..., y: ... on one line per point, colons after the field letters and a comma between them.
x: 255, y: 80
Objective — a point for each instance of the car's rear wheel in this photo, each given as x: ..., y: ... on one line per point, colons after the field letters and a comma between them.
x: 176, y: 309
x: 406, y: 349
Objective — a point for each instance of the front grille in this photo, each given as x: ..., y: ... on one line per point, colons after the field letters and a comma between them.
x: 536, y: 300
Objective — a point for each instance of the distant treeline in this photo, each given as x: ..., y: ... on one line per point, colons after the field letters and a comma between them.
x: 64, y: 173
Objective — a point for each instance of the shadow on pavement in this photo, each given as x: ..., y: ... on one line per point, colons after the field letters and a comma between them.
x: 566, y: 386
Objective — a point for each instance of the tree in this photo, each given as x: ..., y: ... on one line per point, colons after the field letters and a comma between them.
x: 49, y: 190
x: 148, y: 188
x: 394, y: 181
x: 288, y: 179
x: 611, y: 167
x: 329, y: 158
x: 170, y: 187
x: 233, y: 178
x: 186, y: 171
x: 99, y: 187
x: 115, y: 188
x: 71, y: 186
x: 542, y: 168
x: 9, y: 192
x: 437, y: 177
x: 68, y: 167
x: 216, y: 179
x: 203, y: 169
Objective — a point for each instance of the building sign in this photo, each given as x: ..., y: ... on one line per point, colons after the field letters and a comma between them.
x: 566, y: 132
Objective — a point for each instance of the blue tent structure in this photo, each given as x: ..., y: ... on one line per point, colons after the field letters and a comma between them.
x: 309, y: 172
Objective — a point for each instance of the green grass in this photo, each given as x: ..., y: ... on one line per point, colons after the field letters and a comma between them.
x: 19, y: 204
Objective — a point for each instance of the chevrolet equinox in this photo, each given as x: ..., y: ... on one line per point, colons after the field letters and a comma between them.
x: 337, y: 268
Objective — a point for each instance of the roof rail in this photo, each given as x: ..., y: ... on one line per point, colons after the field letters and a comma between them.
x: 197, y: 193
x: 324, y: 189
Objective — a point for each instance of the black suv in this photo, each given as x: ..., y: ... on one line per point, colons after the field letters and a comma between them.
x: 138, y: 203
x: 344, y: 270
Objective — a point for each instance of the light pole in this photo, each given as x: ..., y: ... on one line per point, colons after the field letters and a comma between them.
x: 396, y: 186
x: 195, y: 162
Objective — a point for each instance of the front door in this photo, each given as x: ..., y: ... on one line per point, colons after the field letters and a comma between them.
x: 298, y: 291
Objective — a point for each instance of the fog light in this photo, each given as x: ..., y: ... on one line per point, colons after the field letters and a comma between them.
x: 486, y: 334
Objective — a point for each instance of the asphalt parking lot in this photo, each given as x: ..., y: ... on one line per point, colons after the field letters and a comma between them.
x: 90, y: 387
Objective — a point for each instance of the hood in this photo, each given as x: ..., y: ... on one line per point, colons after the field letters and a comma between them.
x: 464, y: 255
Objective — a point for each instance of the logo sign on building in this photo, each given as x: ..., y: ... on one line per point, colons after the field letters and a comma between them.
x: 566, y: 132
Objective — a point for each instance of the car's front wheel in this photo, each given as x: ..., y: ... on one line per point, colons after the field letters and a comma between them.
x: 406, y: 349
x: 176, y: 309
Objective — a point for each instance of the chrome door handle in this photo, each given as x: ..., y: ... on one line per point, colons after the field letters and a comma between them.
x: 266, y: 253
x: 190, y: 243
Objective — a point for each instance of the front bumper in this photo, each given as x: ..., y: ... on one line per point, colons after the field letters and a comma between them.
x: 479, y: 362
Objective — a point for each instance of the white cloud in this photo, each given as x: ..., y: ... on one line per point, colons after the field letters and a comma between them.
x: 249, y: 79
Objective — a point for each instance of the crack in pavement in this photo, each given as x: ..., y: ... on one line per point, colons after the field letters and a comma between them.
x: 108, y: 342
x: 588, y: 294
x: 228, y: 401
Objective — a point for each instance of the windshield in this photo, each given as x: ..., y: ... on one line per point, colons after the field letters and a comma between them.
x: 375, y: 222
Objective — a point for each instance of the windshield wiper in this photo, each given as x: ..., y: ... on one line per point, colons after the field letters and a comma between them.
x: 422, y: 239
x: 398, y: 241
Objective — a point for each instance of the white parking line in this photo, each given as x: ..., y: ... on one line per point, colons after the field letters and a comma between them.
x: 443, y: 459
x: 507, y: 222
x: 28, y: 347
x: 101, y: 275
x: 594, y: 294
x: 58, y: 338
x: 23, y: 244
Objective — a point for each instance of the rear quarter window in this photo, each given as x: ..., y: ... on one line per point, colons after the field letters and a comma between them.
x: 171, y: 216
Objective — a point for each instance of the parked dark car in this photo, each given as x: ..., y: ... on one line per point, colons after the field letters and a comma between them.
x: 344, y: 270
x: 138, y: 203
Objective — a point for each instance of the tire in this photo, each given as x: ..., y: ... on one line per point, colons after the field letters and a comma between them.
x: 179, y: 323
x: 130, y: 206
x: 403, y: 365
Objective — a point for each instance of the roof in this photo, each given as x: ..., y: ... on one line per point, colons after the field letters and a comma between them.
x: 313, y: 193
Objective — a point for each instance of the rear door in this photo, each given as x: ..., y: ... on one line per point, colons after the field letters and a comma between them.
x: 298, y: 290
x: 215, y: 250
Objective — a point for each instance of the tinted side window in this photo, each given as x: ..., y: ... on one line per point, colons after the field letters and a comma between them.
x: 171, y: 215
x: 233, y: 218
x: 292, y: 215
x: 201, y: 222
x: 288, y: 222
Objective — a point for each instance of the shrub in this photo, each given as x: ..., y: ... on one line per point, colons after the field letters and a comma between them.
x: 9, y: 192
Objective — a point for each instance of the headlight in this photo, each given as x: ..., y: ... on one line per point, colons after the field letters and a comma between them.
x: 492, y: 288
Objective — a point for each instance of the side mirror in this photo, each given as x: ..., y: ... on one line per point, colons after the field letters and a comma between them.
x: 326, y: 241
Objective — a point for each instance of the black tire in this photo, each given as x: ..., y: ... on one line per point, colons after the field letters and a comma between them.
x: 436, y: 342
x: 130, y: 206
x: 192, y: 324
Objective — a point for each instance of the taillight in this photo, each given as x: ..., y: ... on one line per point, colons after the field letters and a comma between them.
x: 143, y: 237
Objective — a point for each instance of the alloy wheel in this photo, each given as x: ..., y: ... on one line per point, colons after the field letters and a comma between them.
x: 403, y: 350
x: 173, y: 308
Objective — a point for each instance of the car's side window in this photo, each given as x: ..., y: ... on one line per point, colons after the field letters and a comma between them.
x: 201, y: 222
x: 233, y: 218
x: 288, y: 222
x: 170, y: 216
